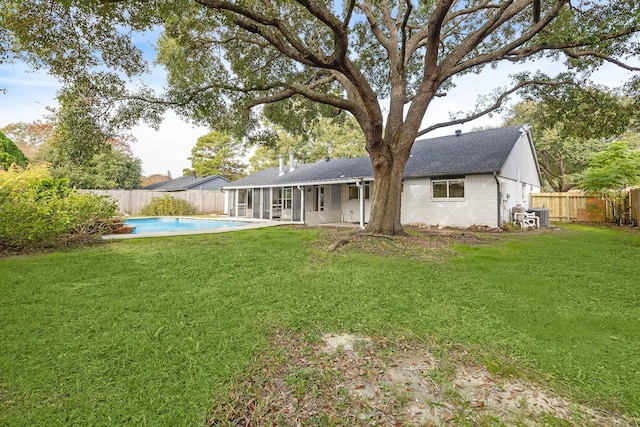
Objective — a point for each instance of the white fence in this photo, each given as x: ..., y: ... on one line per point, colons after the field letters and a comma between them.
x: 132, y: 202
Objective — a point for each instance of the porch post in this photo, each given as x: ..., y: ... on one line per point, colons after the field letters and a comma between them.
x: 301, y: 188
x: 270, y: 203
x: 361, y: 197
x: 235, y: 202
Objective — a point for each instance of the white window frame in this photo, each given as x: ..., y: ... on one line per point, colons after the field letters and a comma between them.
x: 351, y: 191
x: 448, y: 182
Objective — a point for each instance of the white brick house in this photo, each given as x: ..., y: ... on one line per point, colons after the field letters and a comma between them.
x: 455, y: 181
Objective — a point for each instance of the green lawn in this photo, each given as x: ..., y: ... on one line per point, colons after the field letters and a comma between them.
x: 149, y: 331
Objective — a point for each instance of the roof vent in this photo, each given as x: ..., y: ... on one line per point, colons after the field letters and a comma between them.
x: 292, y: 162
x: 458, y: 132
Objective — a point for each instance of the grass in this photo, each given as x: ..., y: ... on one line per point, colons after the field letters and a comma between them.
x: 151, y: 331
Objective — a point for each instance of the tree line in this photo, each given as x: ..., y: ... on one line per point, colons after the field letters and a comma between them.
x: 231, y: 63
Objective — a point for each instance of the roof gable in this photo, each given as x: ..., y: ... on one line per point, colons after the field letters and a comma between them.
x: 472, y: 153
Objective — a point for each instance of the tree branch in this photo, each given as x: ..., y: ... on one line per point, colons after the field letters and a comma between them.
x: 308, y: 91
x: 341, y: 41
x: 514, y: 55
x: 350, y: 8
x: 484, y: 5
x: 507, y: 11
x: 497, y: 104
x: 275, y: 31
x: 507, y: 51
x: 403, y: 29
x: 418, y: 40
x: 323, y: 15
x: 432, y: 72
x: 579, y: 54
x: 373, y: 24
x: 434, y: 27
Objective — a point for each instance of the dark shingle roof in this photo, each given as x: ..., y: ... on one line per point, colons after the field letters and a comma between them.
x: 184, y: 183
x: 470, y: 153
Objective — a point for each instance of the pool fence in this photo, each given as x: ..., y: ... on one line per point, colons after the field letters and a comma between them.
x: 131, y: 202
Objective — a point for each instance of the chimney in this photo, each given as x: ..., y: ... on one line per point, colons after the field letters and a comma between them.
x: 330, y: 148
x: 292, y: 162
x: 458, y: 132
x: 281, y: 163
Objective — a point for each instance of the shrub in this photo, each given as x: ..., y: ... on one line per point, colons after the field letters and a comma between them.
x: 10, y: 153
x: 38, y: 211
x: 168, y: 205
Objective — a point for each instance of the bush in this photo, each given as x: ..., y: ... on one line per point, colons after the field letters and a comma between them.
x: 10, y: 153
x: 167, y: 205
x: 38, y: 211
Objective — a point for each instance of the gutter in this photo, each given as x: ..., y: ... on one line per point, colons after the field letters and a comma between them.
x: 301, y: 183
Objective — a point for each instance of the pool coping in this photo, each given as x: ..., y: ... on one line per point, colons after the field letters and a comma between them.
x: 254, y: 224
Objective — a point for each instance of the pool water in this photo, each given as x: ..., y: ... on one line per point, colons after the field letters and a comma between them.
x: 167, y: 224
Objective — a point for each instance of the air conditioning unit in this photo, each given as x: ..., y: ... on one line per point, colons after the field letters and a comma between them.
x: 542, y: 214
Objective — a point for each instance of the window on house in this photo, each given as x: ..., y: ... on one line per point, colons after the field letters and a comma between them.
x: 287, y: 197
x: 447, y: 188
x: 354, y: 192
x: 320, y: 205
x: 321, y: 200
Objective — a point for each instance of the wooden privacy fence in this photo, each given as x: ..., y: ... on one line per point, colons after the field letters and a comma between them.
x: 634, y: 202
x: 571, y: 206
x: 132, y: 202
x: 575, y: 206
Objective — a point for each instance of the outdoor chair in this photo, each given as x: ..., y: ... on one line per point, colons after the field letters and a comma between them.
x: 526, y: 220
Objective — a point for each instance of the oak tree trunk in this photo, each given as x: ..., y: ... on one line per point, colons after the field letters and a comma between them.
x: 388, y: 170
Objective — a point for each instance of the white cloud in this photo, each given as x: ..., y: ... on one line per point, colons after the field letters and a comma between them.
x: 26, y: 94
x: 168, y: 148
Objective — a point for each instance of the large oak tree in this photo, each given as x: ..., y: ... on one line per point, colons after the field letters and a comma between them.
x: 299, y: 58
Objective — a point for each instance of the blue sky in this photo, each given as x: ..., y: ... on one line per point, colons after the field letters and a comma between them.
x: 28, y: 94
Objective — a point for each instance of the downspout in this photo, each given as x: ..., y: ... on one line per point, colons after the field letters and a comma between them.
x: 301, y: 188
x: 495, y: 176
x: 361, y: 199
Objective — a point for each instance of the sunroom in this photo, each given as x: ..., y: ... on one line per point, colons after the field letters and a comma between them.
x: 310, y: 203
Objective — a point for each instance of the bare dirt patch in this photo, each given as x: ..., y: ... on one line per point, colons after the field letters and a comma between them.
x: 342, y: 379
x: 421, y: 243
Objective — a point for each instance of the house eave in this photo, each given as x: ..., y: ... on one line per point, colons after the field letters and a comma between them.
x: 451, y: 174
x: 358, y: 179
x: 300, y: 183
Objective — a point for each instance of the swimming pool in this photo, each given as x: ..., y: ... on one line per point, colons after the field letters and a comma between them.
x: 172, y: 224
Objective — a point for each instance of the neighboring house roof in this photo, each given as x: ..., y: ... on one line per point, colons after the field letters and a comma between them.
x: 188, y: 183
x: 465, y: 154
x: 154, y: 179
